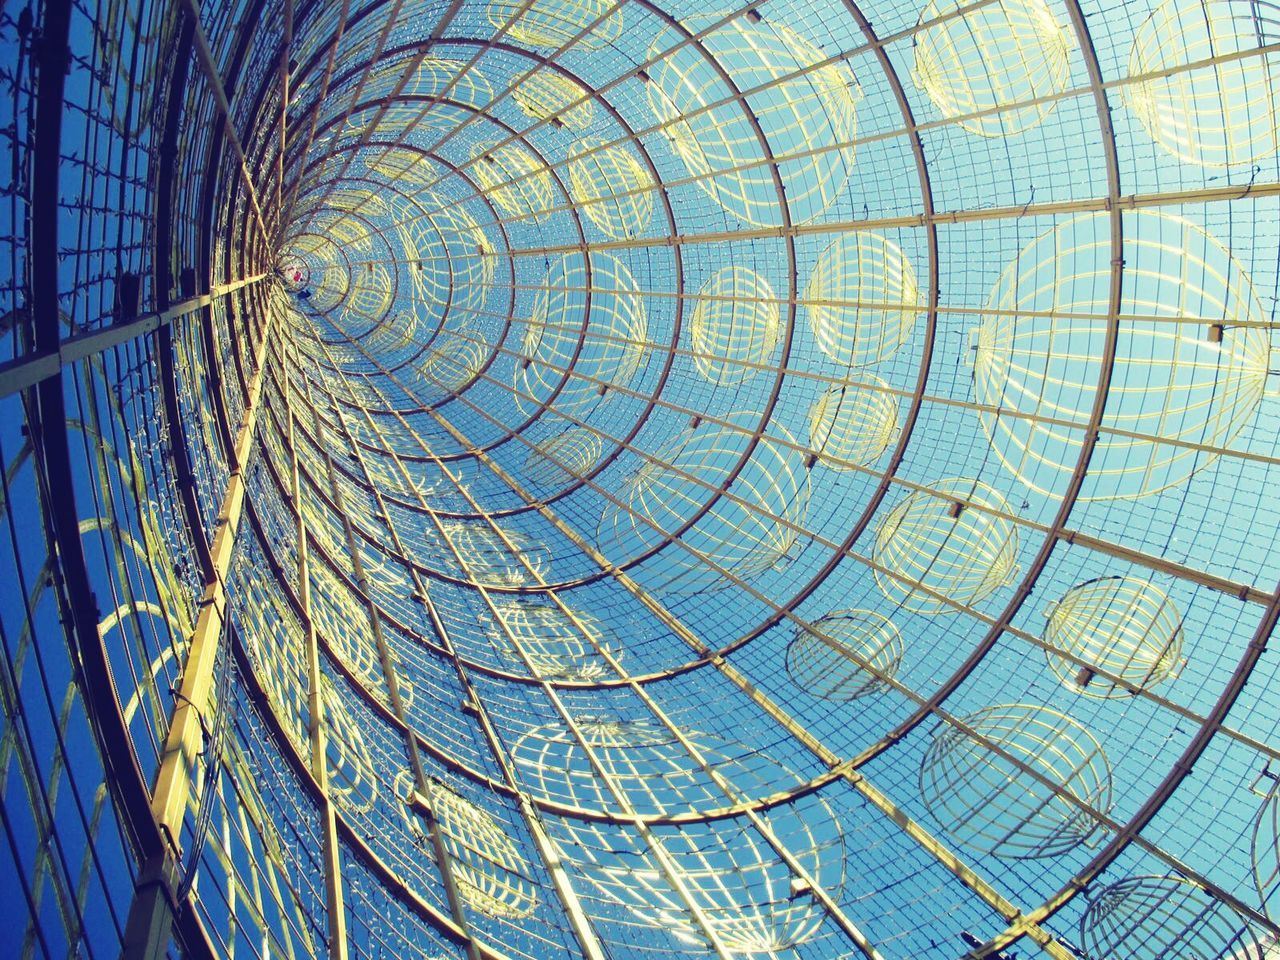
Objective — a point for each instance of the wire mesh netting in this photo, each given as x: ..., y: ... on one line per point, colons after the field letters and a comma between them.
x: 559, y: 478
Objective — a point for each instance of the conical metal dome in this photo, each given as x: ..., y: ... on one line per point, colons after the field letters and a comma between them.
x: 615, y: 479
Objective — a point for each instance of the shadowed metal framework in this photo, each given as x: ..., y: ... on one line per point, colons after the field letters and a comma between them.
x: 573, y: 478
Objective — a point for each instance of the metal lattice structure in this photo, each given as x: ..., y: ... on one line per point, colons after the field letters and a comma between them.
x: 612, y: 479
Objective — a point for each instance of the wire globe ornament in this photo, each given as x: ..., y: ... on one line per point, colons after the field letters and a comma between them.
x: 612, y: 763
x: 862, y: 299
x: 546, y: 95
x: 988, y: 60
x: 387, y: 578
x: 798, y: 104
x: 435, y: 116
x: 274, y: 642
x: 421, y: 861
x: 346, y: 232
x: 559, y: 643
x: 587, y: 331
x: 276, y: 647
x: 360, y: 391
x: 747, y: 895
x: 554, y: 23
x: 453, y: 256
x: 333, y: 286
x: 395, y: 333
x: 369, y: 296
x: 389, y: 122
x: 517, y: 182
x: 349, y: 233
x: 438, y: 77
x: 736, y: 325
x: 611, y: 188
x: 1019, y: 782
x: 341, y: 620
x: 1264, y: 848
x: 488, y: 557
x: 750, y: 901
x: 745, y: 530
x: 645, y: 763
x: 353, y: 782
x: 852, y: 425
x: 395, y: 479
x: 351, y: 200
x: 1222, y: 113
x: 567, y: 456
x: 1191, y: 359
x: 402, y: 167
x: 949, y: 545
x: 845, y: 655
x: 1123, y: 627
x: 454, y: 360
x: 1154, y: 917
x: 491, y: 873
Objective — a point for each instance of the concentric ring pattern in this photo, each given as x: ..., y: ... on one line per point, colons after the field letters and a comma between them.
x: 623, y: 479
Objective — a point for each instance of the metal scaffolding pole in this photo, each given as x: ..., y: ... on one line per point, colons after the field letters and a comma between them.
x: 152, y: 913
x: 317, y: 735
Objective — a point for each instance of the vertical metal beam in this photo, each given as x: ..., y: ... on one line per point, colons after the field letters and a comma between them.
x: 664, y: 860
x: 285, y: 66
x: 151, y: 914
x: 334, y: 901
x: 443, y: 860
x: 829, y: 904
x: 209, y: 67
x: 578, y: 919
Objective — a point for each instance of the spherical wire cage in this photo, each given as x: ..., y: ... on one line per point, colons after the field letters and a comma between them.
x: 1149, y: 917
x: 735, y: 327
x: 587, y: 331
x: 1017, y: 781
x: 845, y: 655
x: 1191, y: 364
x: 803, y: 99
x: 947, y: 546
x: 741, y: 532
x: 1113, y: 637
x: 721, y: 882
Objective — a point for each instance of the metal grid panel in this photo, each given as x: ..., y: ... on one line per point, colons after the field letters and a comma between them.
x: 788, y: 480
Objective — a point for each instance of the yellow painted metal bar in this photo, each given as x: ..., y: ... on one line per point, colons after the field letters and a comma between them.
x: 151, y: 916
